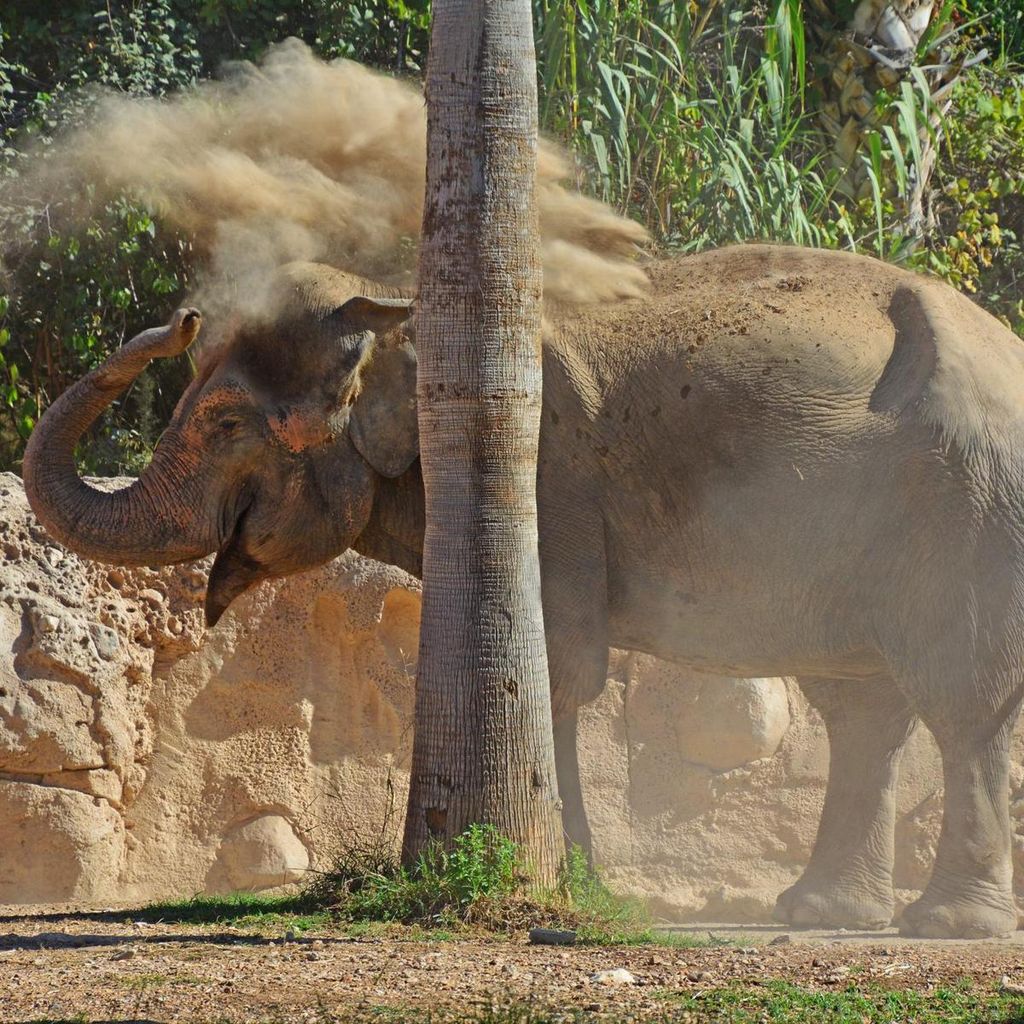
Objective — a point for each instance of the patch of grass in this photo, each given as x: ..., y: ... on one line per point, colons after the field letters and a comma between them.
x: 781, y: 1002
x: 583, y: 901
x: 445, y: 888
x: 142, y: 982
x: 240, y: 910
x: 777, y: 1002
x: 480, y: 883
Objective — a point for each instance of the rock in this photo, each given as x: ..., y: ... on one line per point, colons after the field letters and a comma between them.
x: 551, y: 937
x: 613, y: 976
x: 118, y: 707
x: 124, y: 954
x: 262, y: 853
x: 780, y: 940
x: 58, y: 845
x: 735, y: 722
x: 105, y: 640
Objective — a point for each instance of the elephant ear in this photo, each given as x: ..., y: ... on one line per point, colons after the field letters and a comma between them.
x: 383, y: 424
x: 363, y: 313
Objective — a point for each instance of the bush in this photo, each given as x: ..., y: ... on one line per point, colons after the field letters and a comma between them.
x: 978, y: 243
x: 480, y: 882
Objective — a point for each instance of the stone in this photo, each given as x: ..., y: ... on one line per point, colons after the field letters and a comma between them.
x: 261, y: 854
x: 58, y: 845
x: 613, y: 976
x: 735, y: 722
x: 105, y: 640
x: 551, y: 937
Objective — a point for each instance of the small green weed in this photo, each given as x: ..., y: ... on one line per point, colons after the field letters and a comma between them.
x: 479, y: 883
x: 142, y: 982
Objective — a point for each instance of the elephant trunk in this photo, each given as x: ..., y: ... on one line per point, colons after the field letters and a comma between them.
x: 155, y: 521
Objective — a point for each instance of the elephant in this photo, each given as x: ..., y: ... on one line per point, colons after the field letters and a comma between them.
x: 779, y: 462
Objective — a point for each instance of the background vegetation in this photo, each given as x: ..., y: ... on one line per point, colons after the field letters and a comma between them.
x: 702, y: 118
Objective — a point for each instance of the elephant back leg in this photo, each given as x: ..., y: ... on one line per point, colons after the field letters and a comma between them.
x: 848, y: 881
x: 962, y: 668
x: 970, y: 892
x: 971, y: 716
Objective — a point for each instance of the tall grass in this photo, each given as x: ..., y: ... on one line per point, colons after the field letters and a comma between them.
x: 700, y: 120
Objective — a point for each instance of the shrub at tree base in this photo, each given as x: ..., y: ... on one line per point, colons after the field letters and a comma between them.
x: 479, y: 883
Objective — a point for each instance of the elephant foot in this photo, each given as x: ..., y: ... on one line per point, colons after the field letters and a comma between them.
x: 939, y: 918
x: 805, y: 905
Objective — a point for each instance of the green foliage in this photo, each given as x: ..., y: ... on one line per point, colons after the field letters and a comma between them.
x: 774, y: 1002
x: 979, y: 242
x: 695, y: 119
x: 698, y: 117
x: 442, y: 887
x: 598, y: 915
x: 112, y: 273
x: 389, y: 34
x: 480, y: 882
x: 998, y: 23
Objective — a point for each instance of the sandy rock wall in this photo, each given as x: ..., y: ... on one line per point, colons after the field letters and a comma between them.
x: 142, y: 757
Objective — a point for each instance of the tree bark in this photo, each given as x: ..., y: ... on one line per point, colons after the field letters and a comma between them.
x: 871, y: 55
x: 483, y: 748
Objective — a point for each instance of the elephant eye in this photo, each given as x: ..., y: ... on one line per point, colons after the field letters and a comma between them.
x: 229, y: 424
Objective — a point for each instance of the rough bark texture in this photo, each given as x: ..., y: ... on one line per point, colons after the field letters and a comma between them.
x: 872, y: 55
x: 483, y: 749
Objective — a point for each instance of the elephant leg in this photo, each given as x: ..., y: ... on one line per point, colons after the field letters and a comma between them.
x: 576, y: 626
x: 848, y: 881
x: 970, y: 893
x: 579, y: 672
x: 574, y: 812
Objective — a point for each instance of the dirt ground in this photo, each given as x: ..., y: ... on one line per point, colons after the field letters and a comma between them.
x: 63, y: 965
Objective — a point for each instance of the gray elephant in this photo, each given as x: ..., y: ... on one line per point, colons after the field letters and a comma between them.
x: 783, y: 462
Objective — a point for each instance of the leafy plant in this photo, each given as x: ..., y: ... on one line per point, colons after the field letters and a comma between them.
x: 368, y: 884
x: 978, y: 245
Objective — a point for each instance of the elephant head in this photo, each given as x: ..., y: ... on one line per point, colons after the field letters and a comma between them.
x: 273, y: 452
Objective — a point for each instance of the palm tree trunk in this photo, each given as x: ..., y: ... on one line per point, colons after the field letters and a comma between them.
x: 866, y: 64
x: 483, y: 748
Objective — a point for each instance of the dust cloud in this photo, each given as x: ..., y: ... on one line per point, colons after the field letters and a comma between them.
x: 295, y: 158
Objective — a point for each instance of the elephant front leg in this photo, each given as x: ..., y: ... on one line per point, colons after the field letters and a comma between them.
x: 848, y: 882
x: 970, y: 894
x: 574, y: 811
x: 576, y: 624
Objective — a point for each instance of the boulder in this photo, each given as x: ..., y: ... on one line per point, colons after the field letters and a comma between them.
x: 260, y: 854
x: 734, y: 722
